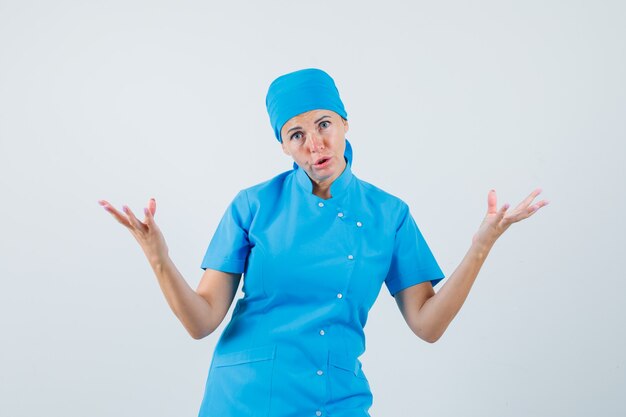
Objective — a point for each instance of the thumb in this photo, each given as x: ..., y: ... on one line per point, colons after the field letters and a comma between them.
x: 152, y: 206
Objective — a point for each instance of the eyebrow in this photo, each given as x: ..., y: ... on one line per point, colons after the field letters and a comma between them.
x: 298, y: 127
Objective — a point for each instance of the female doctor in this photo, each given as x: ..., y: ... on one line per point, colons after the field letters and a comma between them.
x: 315, y: 245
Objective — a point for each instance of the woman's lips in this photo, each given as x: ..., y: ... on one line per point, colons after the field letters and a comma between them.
x: 324, y: 163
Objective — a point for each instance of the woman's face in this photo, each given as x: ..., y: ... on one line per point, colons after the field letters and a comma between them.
x: 316, y: 142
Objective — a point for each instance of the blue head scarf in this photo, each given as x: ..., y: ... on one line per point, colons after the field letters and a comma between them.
x: 298, y: 92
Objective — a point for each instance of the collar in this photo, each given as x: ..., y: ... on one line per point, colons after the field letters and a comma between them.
x: 339, y: 185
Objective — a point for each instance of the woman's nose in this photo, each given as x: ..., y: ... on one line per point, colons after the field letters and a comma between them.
x: 316, y: 142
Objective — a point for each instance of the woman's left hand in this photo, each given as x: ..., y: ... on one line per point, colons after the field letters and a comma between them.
x: 497, y: 221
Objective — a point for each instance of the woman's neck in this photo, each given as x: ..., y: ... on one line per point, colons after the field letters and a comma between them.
x: 322, y: 191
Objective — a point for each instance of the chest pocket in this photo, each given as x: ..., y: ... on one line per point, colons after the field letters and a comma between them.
x: 239, y: 383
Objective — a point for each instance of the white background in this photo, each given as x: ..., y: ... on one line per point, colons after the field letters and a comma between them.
x: 127, y: 100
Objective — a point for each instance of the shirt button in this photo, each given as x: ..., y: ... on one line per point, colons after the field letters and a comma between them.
x: 318, y: 413
x: 340, y: 295
x: 350, y: 257
x: 322, y: 332
x: 359, y: 224
x: 339, y: 214
x: 320, y: 204
x: 320, y: 372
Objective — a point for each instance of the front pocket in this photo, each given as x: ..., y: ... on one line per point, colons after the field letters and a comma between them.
x: 347, y: 383
x: 346, y: 363
x: 262, y: 353
x: 239, y: 383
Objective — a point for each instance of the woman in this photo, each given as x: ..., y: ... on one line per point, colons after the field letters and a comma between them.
x: 315, y: 244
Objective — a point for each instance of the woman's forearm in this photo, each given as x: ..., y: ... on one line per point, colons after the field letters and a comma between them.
x: 191, y: 308
x: 439, y: 310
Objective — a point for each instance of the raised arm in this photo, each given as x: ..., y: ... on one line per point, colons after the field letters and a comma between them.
x: 201, y: 311
x: 427, y: 313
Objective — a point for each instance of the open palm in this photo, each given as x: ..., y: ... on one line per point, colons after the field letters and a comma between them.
x: 496, y: 220
x: 147, y: 233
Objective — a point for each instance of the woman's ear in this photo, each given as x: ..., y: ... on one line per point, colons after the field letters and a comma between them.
x: 345, y: 124
x: 285, y: 150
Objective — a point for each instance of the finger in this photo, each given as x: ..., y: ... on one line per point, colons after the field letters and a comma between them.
x: 115, y: 213
x: 133, y: 220
x: 532, y: 209
x: 491, y: 202
x: 502, y: 212
x: 526, y: 202
x: 149, y: 217
x: 146, y: 218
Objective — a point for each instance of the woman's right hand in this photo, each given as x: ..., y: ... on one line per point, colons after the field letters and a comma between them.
x: 147, y: 233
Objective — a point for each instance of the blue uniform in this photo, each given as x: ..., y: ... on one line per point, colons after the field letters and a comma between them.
x: 312, y: 270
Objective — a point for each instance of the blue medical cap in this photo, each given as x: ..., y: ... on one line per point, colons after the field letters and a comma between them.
x: 298, y: 92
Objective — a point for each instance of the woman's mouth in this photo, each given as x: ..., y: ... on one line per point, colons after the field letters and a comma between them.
x: 322, y: 163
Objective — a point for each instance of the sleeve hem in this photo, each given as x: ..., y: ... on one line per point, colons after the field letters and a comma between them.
x: 433, y: 275
x: 235, y: 266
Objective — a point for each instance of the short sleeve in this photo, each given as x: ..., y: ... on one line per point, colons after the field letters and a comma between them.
x: 412, y: 261
x: 229, y: 246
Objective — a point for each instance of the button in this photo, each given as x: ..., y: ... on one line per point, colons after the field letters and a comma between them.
x: 318, y: 413
x: 359, y: 224
x: 340, y: 214
x: 320, y: 372
x: 350, y: 257
x: 340, y: 295
x: 322, y: 332
x: 320, y: 204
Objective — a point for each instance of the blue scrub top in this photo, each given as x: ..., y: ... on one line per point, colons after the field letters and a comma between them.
x: 312, y: 270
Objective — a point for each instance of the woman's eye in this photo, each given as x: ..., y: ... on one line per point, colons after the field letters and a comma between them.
x: 325, y: 121
x: 298, y: 134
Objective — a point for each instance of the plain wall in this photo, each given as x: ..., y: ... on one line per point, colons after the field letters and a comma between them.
x: 127, y: 100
